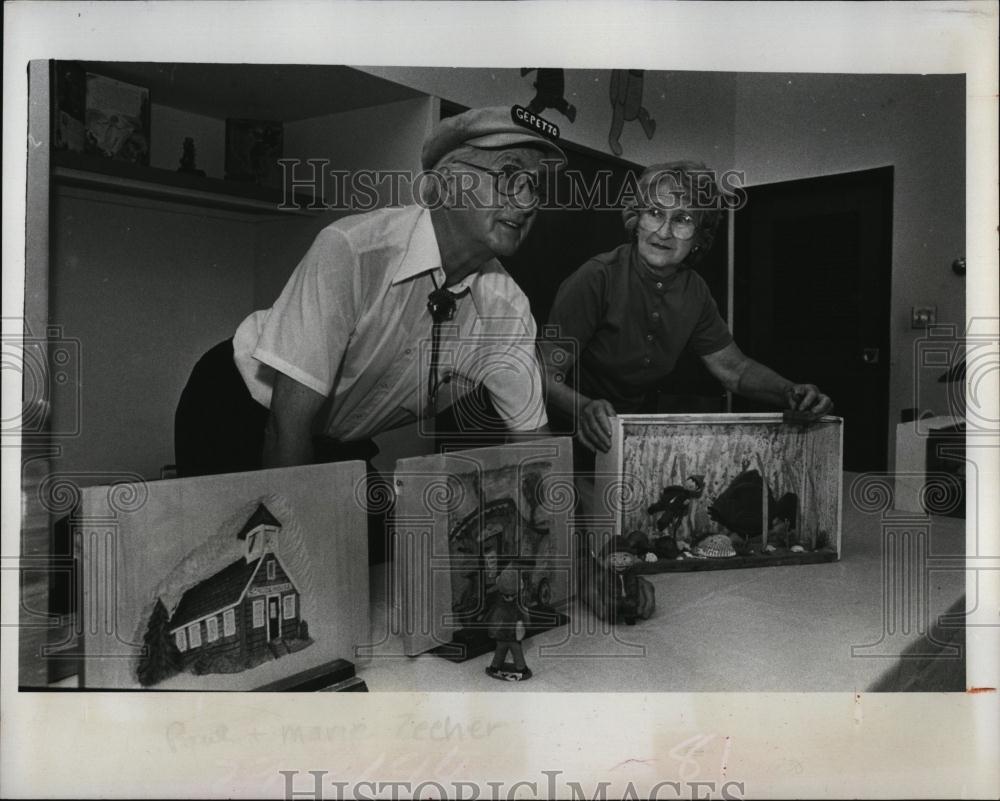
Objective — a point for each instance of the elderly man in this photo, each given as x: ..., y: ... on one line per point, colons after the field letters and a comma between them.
x: 387, y: 313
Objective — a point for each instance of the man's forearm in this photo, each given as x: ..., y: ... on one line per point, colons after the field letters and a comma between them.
x: 558, y: 392
x: 284, y: 447
x: 564, y: 398
x: 288, y: 438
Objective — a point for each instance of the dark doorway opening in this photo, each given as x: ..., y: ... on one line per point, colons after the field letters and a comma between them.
x: 811, y: 281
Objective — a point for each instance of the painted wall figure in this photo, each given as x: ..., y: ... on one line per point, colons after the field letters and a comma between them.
x: 626, y: 106
x: 550, y: 90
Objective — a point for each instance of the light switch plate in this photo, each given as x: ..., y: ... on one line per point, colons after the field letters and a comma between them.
x: 923, y: 316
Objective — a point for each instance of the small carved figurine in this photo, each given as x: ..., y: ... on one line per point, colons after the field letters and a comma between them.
x: 506, y: 626
x: 673, y: 505
x: 187, y: 158
x: 629, y: 596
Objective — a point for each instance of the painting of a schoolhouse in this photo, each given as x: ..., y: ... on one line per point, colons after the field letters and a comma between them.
x: 243, y: 615
x: 230, y: 582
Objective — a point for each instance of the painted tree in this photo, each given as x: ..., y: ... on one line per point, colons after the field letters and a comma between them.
x: 161, y: 659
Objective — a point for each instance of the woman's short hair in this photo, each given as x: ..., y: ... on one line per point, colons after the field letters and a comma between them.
x: 698, y: 187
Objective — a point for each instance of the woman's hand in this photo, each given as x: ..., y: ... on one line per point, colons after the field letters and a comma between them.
x: 808, y: 398
x: 595, y: 425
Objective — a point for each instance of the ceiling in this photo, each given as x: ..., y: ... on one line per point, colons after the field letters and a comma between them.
x: 280, y: 92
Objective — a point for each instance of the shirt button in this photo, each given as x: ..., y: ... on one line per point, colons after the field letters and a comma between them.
x: 659, y: 285
x: 649, y: 337
x: 408, y: 351
x: 656, y: 315
x: 646, y: 360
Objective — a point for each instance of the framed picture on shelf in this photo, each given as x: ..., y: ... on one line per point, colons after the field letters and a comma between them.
x: 69, y: 107
x: 253, y: 148
x: 116, y: 120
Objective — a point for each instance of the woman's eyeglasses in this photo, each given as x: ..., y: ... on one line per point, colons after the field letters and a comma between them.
x: 682, y: 224
x: 512, y: 181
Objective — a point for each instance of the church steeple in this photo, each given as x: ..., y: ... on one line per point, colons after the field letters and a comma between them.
x: 260, y: 533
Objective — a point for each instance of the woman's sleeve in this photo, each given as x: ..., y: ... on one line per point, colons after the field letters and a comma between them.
x: 711, y: 333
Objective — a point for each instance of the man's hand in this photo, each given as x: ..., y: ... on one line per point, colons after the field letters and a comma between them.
x: 595, y: 425
x: 808, y: 398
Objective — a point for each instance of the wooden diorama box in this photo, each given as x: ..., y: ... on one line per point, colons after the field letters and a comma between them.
x: 459, y: 520
x: 694, y: 492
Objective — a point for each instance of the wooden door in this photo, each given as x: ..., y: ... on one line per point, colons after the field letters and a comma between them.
x: 811, y: 283
x: 273, y: 618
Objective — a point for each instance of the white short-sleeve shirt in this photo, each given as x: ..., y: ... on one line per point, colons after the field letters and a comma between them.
x: 352, y: 324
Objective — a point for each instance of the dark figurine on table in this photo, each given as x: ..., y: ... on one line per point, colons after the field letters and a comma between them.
x: 673, y: 505
x: 506, y: 626
x: 613, y: 589
x: 633, y: 596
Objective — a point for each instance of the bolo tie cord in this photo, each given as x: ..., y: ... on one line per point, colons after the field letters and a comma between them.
x: 441, y: 305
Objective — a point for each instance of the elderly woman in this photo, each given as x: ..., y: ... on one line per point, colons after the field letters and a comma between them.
x: 633, y: 311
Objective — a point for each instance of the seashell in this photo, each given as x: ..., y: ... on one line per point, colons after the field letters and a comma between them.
x: 715, y: 546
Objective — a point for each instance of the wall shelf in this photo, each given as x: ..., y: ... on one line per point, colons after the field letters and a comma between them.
x: 94, y: 172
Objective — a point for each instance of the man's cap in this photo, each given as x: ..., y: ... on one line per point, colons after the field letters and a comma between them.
x: 487, y: 128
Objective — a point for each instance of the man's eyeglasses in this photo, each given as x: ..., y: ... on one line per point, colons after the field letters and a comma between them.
x: 682, y: 224
x: 515, y: 182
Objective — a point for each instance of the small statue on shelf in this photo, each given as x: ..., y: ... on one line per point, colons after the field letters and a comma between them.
x: 506, y: 626
x: 187, y: 159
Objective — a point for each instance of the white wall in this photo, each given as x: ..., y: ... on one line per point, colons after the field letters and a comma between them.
x: 146, y: 288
